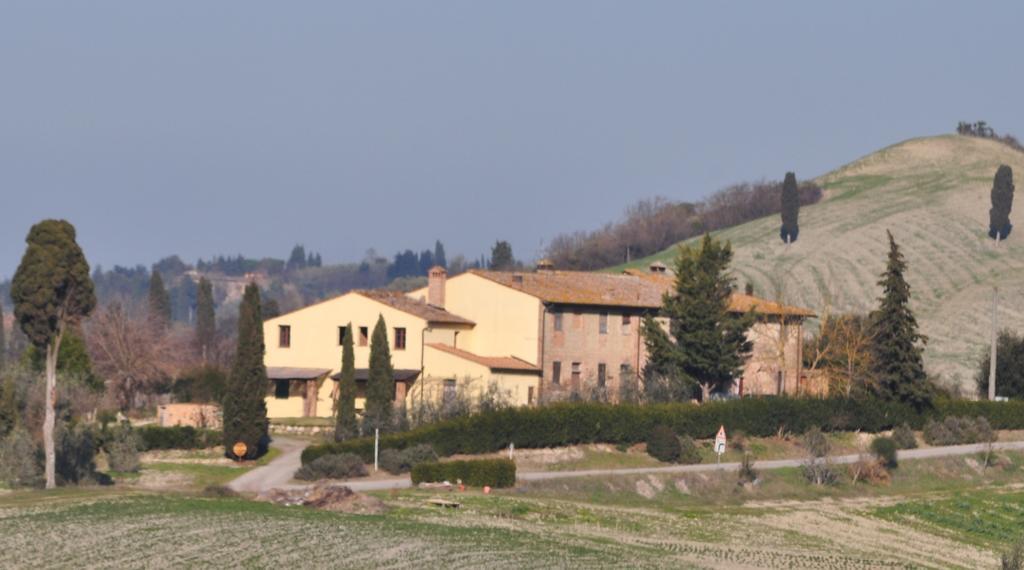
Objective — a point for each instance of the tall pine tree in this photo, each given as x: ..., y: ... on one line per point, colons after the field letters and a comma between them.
x: 206, y: 319
x: 999, y: 225
x: 439, y: 256
x: 347, y: 425
x: 245, y: 413
x: 501, y: 256
x: 708, y: 343
x: 896, y: 344
x: 790, y: 209
x: 380, y: 387
x: 159, y: 300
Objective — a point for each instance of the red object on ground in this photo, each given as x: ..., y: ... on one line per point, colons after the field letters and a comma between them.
x: 487, y: 490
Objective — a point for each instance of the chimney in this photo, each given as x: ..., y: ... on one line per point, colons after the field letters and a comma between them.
x: 436, y: 278
x: 545, y: 265
x: 658, y: 267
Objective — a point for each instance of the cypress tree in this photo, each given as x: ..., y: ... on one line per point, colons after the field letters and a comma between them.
x: 439, y: 256
x: 790, y: 209
x: 347, y: 426
x: 3, y: 339
x: 708, y: 342
x: 999, y: 225
x: 380, y: 387
x: 245, y: 413
x: 501, y: 256
x: 896, y: 344
x: 159, y: 299
x: 206, y: 319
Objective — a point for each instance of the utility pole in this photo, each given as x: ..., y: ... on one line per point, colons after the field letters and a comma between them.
x: 992, y: 354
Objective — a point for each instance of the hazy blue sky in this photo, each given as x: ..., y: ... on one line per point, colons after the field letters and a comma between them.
x: 245, y: 127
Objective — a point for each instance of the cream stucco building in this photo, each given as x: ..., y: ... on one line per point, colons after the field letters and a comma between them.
x: 531, y: 335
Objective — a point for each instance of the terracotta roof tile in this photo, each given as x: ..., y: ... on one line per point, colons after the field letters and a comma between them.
x: 492, y: 362
x: 406, y: 304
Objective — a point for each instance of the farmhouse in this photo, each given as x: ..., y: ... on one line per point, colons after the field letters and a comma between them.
x: 535, y: 335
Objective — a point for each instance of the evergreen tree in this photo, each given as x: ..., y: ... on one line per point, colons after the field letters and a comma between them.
x: 206, y: 319
x: 159, y: 300
x: 8, y: 407
x: 790, y: 209
x: 708, y: 343
x: 52, y: 291
x: 271, y: 308
x: 501, y: 256
x: 347, y: 426
x: 297, y: 260
x: 439, y: 255
x: 380, y: 387
x: 245, y: 413
x: 896, y: 344
x: 999, y: 225
x: 3, y: 339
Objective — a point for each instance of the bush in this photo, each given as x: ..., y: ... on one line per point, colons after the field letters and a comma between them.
x: 341, y: 466
x: 955, y: 430
x: 76, y: 455
x: 177, y: 437
x: 20, y: 460
x: 868, y: 471
x: 747, y: 473
x: 475, y: 473
x: 820, y: 473
x: 904, y: 437
x: 567, y: 423
x: 398, y: 462
x: 816, y: 443
x: 884, y: 448
x: 663, y: 445
x: 122, y: 447
x: 689, y: 454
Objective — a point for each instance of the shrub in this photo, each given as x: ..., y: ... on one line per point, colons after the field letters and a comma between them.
x: 884, y: 448
x: 936, y: 433
x: 398, y: 462
x: 1013, y: 559
x: 904, y: 437
x: 820, y: 473
x: 747, y: 473
x: 20, y: 460
x: 475, y: 473
x: 983, y: 431
x: 177, y: 437
x: 689, y: 454
x: 76, y: 454
x: 868, y: 471
x: 341, y: 466
x: 567, y: 423
x: 955, y: 430
x: 816, y: 443
x: 663, y: 445
x: 122, y: 447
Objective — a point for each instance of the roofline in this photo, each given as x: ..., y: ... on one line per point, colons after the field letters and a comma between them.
x: 362, y: 293
x: 457, y: 352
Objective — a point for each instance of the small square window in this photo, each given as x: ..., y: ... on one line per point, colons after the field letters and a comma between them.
x: 602, y: 323
x: 625, y: 371
x: 627, y: 324
x: 399, y: 338
x: 364, y: 336
x: 284, y: 336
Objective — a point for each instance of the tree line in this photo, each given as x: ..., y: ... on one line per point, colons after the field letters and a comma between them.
x: 982, y: 129
x: 651, y: 225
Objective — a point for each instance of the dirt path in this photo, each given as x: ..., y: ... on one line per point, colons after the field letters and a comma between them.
x: 256, y: 481
x: 275, y: 474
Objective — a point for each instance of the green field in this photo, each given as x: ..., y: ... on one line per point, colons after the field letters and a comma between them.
x: 933, y: 194
x: 948, y: 513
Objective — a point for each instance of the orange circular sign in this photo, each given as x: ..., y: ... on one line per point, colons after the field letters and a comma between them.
x: 239, y: 449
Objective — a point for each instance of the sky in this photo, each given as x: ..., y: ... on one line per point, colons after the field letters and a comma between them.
x: 200, y: 128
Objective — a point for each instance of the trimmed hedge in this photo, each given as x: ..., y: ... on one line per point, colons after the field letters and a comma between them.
x: 475, y: 473
x: 574, y: 423
x: 177, y: 437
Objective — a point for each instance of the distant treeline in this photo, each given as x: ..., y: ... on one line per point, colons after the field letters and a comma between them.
x: 650, y: 226
x: 982, y: 130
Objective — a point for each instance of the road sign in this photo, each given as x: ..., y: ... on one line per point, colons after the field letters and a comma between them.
x: 720, y: 442
x: 239, y: 449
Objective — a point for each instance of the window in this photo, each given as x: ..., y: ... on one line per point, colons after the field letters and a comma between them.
x: 281, y: 389
x: 602, y: 323
x: 625, y: 371
x: 341, y: 335
x: 556, y: 372
x: 576, y: 372
x: 449, y: 390
x: 627, y: 324
x: 399, y: 338
x: 558, y: 321
x: 364, y: 336
x: 602, y: 374
x: 529, y: 395
x: 284, y: 336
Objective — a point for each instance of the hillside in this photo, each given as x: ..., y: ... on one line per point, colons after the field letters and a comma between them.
x: 933, y: 194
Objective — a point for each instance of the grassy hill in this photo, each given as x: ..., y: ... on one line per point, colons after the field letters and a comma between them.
x: 933, y: 194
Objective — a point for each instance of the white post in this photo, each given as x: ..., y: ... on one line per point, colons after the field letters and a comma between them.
x: 376, y: 448
x: 511, y: 450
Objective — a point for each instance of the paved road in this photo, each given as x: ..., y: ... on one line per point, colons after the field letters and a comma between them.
x: 279, y: 476
x: 275, y: 474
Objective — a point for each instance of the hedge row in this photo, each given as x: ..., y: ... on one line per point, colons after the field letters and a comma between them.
x: 475, y: 473
x: 573, y: 423
x: 178, y: 437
